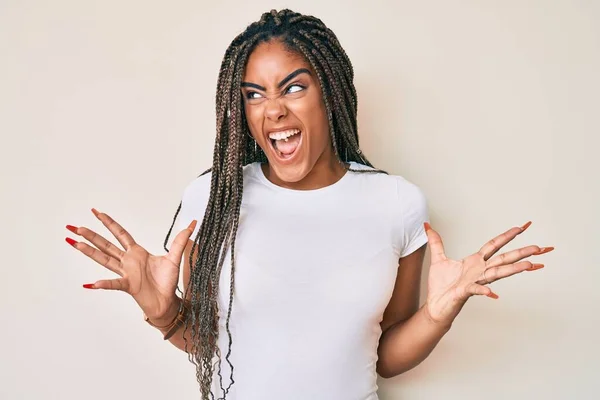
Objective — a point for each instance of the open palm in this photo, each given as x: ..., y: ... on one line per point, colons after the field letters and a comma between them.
x: 151, y: 280
x: 452, y: 282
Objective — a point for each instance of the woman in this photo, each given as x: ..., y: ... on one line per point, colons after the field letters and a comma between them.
x: 324, y: 251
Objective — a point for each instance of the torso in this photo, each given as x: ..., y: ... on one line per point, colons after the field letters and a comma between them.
x: 314, y: 272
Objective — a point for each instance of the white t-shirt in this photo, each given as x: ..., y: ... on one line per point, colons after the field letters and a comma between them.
x: 315, y: 270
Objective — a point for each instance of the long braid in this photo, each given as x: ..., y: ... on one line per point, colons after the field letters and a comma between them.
x: 338, y: 110
x: 335, y: 74
x: 235, y: 148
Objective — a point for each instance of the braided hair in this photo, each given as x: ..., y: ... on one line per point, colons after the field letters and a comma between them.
x: 235, y: 147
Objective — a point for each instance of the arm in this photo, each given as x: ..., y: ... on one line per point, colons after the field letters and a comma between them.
x: 450, y: 284
x: 193, y: 205
x: 178, y: 339
x: 409, y: 335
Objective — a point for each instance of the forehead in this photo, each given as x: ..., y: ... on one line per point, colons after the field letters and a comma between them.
x: 272, y: 61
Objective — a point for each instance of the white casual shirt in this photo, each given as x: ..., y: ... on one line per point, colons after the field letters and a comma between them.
x: 315, y: 270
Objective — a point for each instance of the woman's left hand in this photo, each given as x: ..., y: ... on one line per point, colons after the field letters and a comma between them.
x: 452, y: 282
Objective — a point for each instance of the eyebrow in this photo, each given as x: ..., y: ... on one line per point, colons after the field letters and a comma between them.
x: 280, y: 84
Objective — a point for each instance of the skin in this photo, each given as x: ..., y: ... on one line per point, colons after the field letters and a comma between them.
x: 451, y: 283
x: 299, y: 104
x: 410, y: 332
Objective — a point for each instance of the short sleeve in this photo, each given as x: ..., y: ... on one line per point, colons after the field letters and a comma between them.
x: 193, y: 204
x: 410, y: 232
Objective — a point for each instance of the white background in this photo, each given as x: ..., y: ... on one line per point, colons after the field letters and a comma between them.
x: 491, y: 107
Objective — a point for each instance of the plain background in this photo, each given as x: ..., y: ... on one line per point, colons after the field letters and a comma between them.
x: 491, y: 107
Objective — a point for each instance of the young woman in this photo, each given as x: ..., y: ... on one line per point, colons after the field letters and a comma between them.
x: 302, y: 281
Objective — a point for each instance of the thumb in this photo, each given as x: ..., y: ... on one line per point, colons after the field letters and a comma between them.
x: 176, y: 252
x: 436, y: 245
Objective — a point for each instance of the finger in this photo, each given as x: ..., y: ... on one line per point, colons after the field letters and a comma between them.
x: 436, y: 246
x: 514, y: 256
x: 480, y: 290
x: 179, y: 243
x: 97, y: 240
x: 110, y: 284
x: 491, y: 247
x: 117, y: 230
x: 101, y: 258
x: 496, y: 273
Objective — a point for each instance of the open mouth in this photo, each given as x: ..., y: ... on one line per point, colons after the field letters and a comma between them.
x: 285, y: 144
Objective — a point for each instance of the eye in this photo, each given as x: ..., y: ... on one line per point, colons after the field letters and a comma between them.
x: 253, y: 95
x: 295, y: 88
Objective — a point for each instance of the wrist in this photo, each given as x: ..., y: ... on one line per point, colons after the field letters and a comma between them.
x: 441, y: 324
x: 163, y: 320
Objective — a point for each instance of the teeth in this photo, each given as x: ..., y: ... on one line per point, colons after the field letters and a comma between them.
x: 284, y: 134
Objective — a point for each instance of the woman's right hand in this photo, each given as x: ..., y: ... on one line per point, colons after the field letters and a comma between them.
x: 151, y: 280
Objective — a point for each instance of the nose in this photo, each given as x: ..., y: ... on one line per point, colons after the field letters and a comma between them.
x: 275, y: 110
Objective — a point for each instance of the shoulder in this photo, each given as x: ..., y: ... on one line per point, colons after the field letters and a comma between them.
x: 197, y: 189
x: 402, y: 201
x: 400, y: 188
x: 408, y: 192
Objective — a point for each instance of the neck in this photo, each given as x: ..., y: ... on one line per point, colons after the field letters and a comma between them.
x: 325, y: 172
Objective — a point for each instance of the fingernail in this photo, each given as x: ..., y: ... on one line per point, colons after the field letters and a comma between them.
x: 535, y: 267
x: 71, y: 241
x: 427, y: 226
x: 527, y: 225
x: 543, y: 250
x: 492, y: 295
x: 96, y: 212
x: 72, y: 228
x: 89, y: 286
x: 192, y: 225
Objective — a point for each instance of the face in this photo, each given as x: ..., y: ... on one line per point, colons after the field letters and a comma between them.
x: 286, y: 114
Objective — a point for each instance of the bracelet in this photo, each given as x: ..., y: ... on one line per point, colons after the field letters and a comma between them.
x: 177, y: 322
x: 181, y: 317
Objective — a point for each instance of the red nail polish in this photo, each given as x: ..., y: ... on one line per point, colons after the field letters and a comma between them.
x: 427, y: 226
x: 72, y: 228
x: 527, y: 225
x: 71, y: 241
x: 492, y: 295
x: 543, y: 250
x: 89, y: 286
x: 535, y: 267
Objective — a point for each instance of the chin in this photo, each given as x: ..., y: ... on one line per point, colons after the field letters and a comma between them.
x: 291, y: 173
